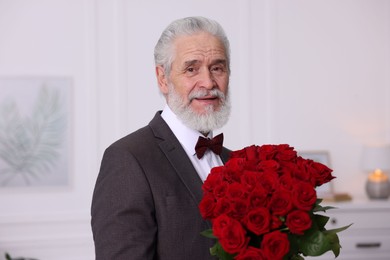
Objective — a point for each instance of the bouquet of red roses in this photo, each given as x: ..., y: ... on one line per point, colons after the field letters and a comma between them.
x: 263, y: 205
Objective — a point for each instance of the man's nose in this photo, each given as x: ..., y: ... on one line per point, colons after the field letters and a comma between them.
x: 206, y: 79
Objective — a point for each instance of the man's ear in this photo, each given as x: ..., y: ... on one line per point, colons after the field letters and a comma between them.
x: 162, y: 79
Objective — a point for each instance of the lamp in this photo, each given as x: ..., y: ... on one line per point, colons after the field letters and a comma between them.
x: 376, y: 161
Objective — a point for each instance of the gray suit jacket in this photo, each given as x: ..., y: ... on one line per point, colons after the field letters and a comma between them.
x: 145, y: 203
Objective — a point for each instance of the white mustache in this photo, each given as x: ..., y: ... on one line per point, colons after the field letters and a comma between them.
x: 214, y: 93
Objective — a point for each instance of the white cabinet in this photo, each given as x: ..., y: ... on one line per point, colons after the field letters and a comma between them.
x: 368, y: 237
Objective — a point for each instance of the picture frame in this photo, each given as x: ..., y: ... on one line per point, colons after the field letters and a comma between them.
x: 325, y: 191
x: 35, y: 123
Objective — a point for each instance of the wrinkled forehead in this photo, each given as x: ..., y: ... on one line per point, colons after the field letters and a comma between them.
x: 198, y: 46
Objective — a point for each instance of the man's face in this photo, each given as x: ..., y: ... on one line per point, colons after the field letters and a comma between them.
x: 199, y: 66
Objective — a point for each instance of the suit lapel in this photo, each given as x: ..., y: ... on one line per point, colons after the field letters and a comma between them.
x: 178, y: 158
x: 225, y: 155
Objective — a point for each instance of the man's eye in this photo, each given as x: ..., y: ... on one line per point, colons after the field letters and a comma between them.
x: 191, y: 70
x: 217, y: 69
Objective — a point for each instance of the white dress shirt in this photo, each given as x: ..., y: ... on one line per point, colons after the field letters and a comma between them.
x: 188, y: 139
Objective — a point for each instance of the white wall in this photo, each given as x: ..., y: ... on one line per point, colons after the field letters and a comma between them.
x: 45, y: 38
x: 331, y: 84
x: 314, y: 74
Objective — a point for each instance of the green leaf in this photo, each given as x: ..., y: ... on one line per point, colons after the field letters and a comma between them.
x: 314, y: 243
x: 335, y: 243
x: 214, y: 249
x: 296, y: 257
x: 318, y: 208
x: 321, y: 221
x: 208, y: 233
x: 337, y: 230
x: 294, y: 247
x: 218, y: 251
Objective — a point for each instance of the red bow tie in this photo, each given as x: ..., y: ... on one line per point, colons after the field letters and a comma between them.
x: 214, y: 145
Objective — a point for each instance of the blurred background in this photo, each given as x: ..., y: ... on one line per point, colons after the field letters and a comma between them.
x: 312, y: 74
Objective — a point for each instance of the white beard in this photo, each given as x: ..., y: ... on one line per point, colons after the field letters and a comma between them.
x: 206, y: 122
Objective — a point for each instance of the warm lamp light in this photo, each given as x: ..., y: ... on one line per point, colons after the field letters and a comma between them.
x: 376, y: 161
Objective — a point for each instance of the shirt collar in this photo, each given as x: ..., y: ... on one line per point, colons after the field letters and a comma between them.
x: 187, y: 137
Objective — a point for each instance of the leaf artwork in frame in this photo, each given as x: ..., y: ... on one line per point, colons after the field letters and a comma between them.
x: 34, y: 132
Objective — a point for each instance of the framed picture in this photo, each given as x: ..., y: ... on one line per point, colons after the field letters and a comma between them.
x: 34, y: 131
x: 326, y: 190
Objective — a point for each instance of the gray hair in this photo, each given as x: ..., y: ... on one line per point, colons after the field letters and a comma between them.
x: 163, y: 52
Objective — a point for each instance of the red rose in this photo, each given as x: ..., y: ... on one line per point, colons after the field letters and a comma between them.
x: 213, y: 179
x: 250, y: 180
x: 268, y: 165
x: 236, y: 191
x: 251, y: 253
x: 286, y: 182
x: 235, y: 164
x: 281, y: 203
x: 223, y: 206
x: 269, y: 181
x: 220, y: 223
x: 206, y: 206
x: 298, y: 221
x: 251, y: 152
x: 304, y: 196
x: 321, y: 174
x: 275, y: 245
x: 288, y: 168
x: 286, y: 153
x: 230, y: 233
x: 239, y: 208
x: 220, y: 190
x: 234, y: 169
x: 267, y: 152
x: 258, y: 198
x: 258, y: 221
x: 251, y: 165
x: 276, y: 222
x: 302, y: 172
x: 238, y: 154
